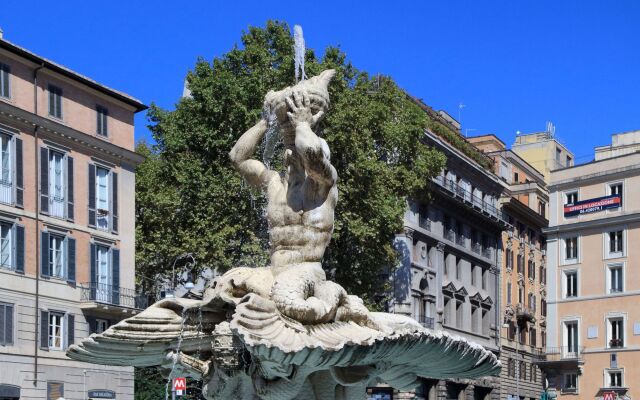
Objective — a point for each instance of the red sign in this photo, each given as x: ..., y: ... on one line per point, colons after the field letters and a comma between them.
x: 179, y: 385
x: 608, y: 396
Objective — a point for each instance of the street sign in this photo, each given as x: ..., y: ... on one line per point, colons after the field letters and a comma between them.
x: 179, y: 385
x: 608, y: 396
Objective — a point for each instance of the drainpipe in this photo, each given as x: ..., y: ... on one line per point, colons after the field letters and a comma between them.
x: 37, y: 194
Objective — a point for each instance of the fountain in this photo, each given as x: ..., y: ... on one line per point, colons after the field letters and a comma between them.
x: 284, y: 331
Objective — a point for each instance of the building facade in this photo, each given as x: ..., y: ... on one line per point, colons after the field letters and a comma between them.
x: 67, y: 215
x: 543, y: 151
x: 449, y: 276
x: 524, y: 205
x: 593, y: 336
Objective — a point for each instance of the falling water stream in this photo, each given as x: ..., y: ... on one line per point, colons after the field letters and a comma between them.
x: 185, y: 310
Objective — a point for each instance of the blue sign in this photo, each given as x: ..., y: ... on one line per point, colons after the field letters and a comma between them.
x: 592, y: 205
x: 102, y: 394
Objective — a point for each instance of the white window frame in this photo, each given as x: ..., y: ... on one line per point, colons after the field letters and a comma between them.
x: 61, y: 317
x: 61, y: 95
x: 63, y: 187
x: 108, y: 196
x: 565, y: 340
x: 102, y: 113
x: 608, y: 254
x: 62, y: 239
x: 563, y: 248
x: 565, y: 195
x: 7, y: 196
x: 564, y: 380
x: 565, y: 282
x: 607, y: 377
x: 609, y: 334
x: 607, y: 270
x: 608, y: 192
x: 11, y: 245
x: 101, y: 325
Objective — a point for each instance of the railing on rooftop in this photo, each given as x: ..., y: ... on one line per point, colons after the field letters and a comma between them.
x: 113, y: 295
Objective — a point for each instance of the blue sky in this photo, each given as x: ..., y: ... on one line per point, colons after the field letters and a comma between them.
x: 513, y: 64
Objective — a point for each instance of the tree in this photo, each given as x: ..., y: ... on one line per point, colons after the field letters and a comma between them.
x: 189, y: 199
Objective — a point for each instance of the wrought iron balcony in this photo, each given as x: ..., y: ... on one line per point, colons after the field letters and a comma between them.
x: 105, y: 296
x: 573, y: 354
x: 525, y: 313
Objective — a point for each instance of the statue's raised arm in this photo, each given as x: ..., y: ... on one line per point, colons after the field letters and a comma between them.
x: 312, y: 150
x: 252, y: 170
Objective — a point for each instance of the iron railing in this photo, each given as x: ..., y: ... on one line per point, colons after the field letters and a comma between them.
x: 463, y: 194
x: 564, y: 353
x: 113, y: 295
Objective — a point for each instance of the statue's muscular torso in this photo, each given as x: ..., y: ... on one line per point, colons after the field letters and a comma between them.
x: 300, y: 212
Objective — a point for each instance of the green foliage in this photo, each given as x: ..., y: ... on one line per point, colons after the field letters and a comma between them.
x: 461, y: 144
x: 150, y: 384
x: 190, y: 200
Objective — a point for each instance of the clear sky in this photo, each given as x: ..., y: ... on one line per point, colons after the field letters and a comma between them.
x: 513, y: 64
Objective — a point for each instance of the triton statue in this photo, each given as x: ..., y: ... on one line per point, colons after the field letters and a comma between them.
x: 284, y: 331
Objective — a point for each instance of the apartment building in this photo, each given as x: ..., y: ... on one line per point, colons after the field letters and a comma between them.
x: 593, y: 335
x: 67, y: 178
x: 449, y: 276
x: 543, y: 151
x: 524, y: 205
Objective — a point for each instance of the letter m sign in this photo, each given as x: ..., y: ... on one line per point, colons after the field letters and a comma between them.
x: 180, y: 386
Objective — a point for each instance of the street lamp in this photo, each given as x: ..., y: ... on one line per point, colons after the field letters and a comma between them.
x: 190, y: 264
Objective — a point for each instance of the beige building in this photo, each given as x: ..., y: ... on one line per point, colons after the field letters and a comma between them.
x: 67, y: 215
x: 543, y: 151
x: 593, y: 334
x: 523, y: 270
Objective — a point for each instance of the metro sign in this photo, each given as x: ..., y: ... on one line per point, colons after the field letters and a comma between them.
x: 609, y: 396
x: 592, y: 205
x: 179, y: 385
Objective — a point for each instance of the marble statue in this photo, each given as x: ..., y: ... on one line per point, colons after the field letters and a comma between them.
x: 284, y: 331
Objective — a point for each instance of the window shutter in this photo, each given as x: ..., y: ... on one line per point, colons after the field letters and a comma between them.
x: 114, y: 201
x: 19, y: 200
x: 92, y: 263
x: 8, y: 325
x: 19, y: 248
x: 44, y: 255
x: 44, y: 330
x: 71, y: 260
x: 92, y: 195
x: 99, y: 120
x: 71, y: 329
x: 44, y: 180
x: 70, y: 188
x: 52, y: 101
x: 115, y: 270
x: 3, y: 323
x: 91, y: 324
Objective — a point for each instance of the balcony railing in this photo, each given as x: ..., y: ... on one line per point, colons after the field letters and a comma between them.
x: 460, y: 240
x: 6, y: 191
x: 113, y: 295
x: 616, y: 343
x: 450, y: 235
x: 427, y: 322
x: 465, y: 195
x: 565, y: 353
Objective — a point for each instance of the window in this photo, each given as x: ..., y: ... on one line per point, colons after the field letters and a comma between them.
x: 616, y: 278
x: 511, y: 330
x: 558, y: 154
x: 615, y: 243
x: 475, y: 318
x: 6, y: 324
x: 615, y: 379
x: 485, y: 278
x: 55, y: 101
x: 516, y: 178
x: 571, y: 197
x: 508, y: 292
x: 616, y: 189
x: 102, y: 198
x: 520, y: 262
x: 616, y: 332
x: 543, y: 273
x: 101, y: 120
x: 542, y: 208
x: 6, y: 245
x: 5, y: 87
x: 531, y: 266
x: 571, y: 248
x: 459, y: 268
x: 512, y: 368
x: 101, y: 325
x: 459, y: 314
x: 104, y: 277
x: 543, y: 307
x: 532, y: 339
x: 509, y: 258
x: 6, y: 170
x: 568, y: 163
x: 56, y: 328
x: 446, y: 315
x: 56, y: 184
x: 570, y: 383
x: 57, y: 256
x: 571, y: 339
x: 521, y: 294
x: 571, y: 284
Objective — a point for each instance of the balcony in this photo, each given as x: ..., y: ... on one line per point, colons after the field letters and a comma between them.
x: 525, y: 314
x: 616, y: 343
x: 450, y: 235
x: 471, y: 201
x: 559, y: 358
x: 427, y: 322
x: 112, y: 299
x: 460, y: 240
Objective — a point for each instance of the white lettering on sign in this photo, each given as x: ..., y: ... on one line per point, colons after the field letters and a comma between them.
x: 179, y: 385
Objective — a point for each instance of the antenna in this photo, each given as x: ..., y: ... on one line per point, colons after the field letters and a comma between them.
x: 460, y: 107
x: 551, y: 129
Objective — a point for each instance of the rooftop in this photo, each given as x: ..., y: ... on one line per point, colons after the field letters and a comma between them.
x: 125, y: 98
